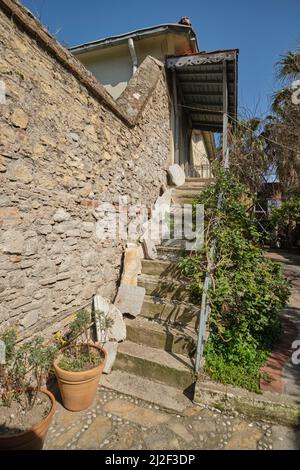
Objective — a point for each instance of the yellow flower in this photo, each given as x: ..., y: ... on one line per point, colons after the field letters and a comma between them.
x: 59, y: 338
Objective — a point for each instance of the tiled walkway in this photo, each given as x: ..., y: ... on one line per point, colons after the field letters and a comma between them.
x: 284, y: 374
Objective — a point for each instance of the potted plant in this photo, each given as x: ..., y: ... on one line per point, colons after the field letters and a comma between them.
x: 80, y: 362
x: 26, y: 409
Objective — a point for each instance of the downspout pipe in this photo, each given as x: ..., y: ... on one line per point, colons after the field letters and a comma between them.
x: 133, y: 55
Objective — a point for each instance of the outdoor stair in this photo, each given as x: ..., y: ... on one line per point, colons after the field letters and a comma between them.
x: 161, y: 341
x: 188, y: 192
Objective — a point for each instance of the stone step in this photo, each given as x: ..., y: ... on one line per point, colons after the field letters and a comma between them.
x: 184, y: 198
x: 159, y: 394
x: 158, y: 336
x: 191, y: 187
x: 160, y: 268
x: 176, y: 313
x: 192, y: 192
x: 176, y: 244
x: 166, y: 288
x: 196, y: 180
x: 155, y: 364
x: 170, y: 253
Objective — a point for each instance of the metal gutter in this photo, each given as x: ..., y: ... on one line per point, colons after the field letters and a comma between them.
x: 136, y: 35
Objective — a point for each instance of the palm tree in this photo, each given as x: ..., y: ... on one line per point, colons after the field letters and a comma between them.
x: 283, y: 126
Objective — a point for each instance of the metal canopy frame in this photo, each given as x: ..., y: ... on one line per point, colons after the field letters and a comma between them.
x: 207, y: 85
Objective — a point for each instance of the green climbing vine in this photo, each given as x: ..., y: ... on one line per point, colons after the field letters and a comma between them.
x: 248, y: 291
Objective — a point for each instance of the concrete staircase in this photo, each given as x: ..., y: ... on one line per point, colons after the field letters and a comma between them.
x: 161, y: 342
x: 190, y: 190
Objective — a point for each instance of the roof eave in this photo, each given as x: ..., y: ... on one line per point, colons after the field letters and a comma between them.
x: 138, y: 35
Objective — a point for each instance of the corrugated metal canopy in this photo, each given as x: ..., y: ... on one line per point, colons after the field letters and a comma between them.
x: 201, y: 86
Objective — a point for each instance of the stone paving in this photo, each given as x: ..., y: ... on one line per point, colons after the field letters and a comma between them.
x: 122, y: 422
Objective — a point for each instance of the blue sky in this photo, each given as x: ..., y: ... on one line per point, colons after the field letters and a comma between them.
x: 261, y: 29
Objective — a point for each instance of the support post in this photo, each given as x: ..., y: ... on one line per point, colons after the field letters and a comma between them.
x: 225, y: 117
x: 176, y: 117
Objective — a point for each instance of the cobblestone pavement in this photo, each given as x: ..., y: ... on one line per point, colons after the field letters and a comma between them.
x: 121, y: 422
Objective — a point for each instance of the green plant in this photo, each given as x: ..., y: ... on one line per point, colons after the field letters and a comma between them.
x: 286, y: 218
x: 77, y: 355
x: 248, y: 291
x: 26, y: 367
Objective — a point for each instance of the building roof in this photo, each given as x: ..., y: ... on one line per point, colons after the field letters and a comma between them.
x: 137, y: 35
x: 203, y: 81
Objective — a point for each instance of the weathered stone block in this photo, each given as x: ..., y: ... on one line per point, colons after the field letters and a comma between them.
x: 176, y: 175
x: 19, y: 118
x: 111, y: 349
x: 130, y: 299
x: 12, y: 242
x: 19, y: 172
x: 61, y: 215
x: 30, y: 319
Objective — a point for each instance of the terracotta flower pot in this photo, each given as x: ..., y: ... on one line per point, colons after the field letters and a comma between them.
x: 34, y: 438
x: 78, y: 389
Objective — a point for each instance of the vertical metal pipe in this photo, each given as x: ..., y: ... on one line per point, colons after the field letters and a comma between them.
x: 133, y: 55
x: 176, y: 117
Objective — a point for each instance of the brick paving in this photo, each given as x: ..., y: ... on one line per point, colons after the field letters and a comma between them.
x: 283, y: 375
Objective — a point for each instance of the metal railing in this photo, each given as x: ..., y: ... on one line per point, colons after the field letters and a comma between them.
x: 199, y: 171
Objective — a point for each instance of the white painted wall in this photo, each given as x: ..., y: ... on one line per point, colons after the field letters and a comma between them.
x: 112, y: 66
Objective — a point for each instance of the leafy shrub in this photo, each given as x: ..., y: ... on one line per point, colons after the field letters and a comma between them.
x: 27, y: 366
x: 286, y: 219
x: 248, y: 291
x: 77, y: 354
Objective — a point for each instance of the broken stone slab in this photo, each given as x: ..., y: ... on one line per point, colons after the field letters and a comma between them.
x: 164, y: 201
x: 117, y: 332
x: 111, y: 348
x: 132, y: 266
x: 130, y: 299
x: 101, y: 304
x: 150, y: 251
x: 176, y: 175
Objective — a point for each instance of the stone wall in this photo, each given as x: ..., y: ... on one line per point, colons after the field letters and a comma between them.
x: 63, y: 151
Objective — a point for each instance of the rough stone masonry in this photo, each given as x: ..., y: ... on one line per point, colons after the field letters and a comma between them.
x: 65, y: 147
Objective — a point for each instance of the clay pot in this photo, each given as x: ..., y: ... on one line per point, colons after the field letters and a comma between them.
x: 34, y: 438
x: 78, y: 389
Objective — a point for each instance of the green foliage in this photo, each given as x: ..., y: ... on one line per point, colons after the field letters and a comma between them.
x: 9, y: 337
x: 85, y: 359
x: 286, y: 219
x: 289, y: 211
x: 77, y: 355
x: 80, y: 325
x: 27, y: 365
x: 247, y: 292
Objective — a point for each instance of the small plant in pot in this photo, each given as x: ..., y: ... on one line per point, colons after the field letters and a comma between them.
x: 26, y: 409
x: 80, y: 362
